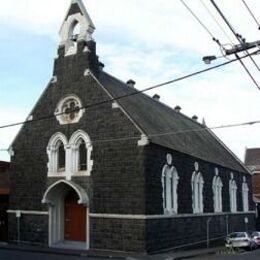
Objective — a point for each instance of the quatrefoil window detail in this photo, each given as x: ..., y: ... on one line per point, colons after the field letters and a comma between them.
x: 69, y: 110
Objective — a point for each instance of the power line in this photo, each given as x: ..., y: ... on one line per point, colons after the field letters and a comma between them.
x: 248, y: 72
x: 130, y: 94
x: 252, y: 14
x: 182, y: 131
x: 233, y: 31
x: 216, y: 21
x: 199, y: 21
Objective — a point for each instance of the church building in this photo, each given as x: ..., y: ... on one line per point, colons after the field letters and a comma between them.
x: 100, y: 166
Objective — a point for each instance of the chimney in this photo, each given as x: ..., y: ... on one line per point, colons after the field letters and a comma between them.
x: 195, y: 118
x: 156, y: 97
x: 131, y: 83
x: 177, y: 109
x: 101, y: 66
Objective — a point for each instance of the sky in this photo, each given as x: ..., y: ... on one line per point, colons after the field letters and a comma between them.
x: 150, y: 41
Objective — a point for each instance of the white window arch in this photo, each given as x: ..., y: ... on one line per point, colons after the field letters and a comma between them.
x: 57, y: 141
x: 217, y: 192
x: 245, y: 190
x: 76, y: 143
x: 170, y: 181
x: 233, y: 193
x: 197, y: 184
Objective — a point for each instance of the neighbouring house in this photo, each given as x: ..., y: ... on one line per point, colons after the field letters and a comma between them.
x: 94, y: 170
x: 252, y: 161
x: 4, y: 197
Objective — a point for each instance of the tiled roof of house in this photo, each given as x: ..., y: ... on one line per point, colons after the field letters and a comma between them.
x: 153, y: 117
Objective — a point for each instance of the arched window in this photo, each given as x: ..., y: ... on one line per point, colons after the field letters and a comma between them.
x: 217, y: 192
x: 170, y: 181
x: 61, y: 157
x: 81, y: 148
x: 233, y: 193
x: 245, y: 190
x: 197, y: 184
x: 57, y: 154
x: 82, y: 156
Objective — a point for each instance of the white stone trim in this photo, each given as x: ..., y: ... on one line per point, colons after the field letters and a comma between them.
x: 197, y: 184
x: 245, y: 191
x: 232, y: 193
x: 170, y: 180
x: 60, y: 113
x: 52, y: 153
x: 74, y: 153
x: 28, y: 212
x: 143, y: 141
x: 83, y: 197
x: 122, y: 109
x: 162, y: 216
x: 217, y: 191
x: 66, y: 32
x: 54, y: 198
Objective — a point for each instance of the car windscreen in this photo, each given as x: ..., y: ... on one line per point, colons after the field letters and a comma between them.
x: 237, y: 235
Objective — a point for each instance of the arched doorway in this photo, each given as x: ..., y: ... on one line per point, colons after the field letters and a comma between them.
x: 68, y: 215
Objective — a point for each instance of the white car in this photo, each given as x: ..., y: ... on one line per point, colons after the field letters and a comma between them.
x: 240, y: 239
x: 256, y: 236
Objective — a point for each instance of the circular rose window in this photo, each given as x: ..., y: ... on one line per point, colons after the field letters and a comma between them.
x: 69, y: 110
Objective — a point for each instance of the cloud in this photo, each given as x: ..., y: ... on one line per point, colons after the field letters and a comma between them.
x: 152, y: 42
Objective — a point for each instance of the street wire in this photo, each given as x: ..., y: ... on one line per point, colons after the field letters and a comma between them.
x: 200, y: 22
x: 252, y: 14
x: 130, y: 94
x: 216, y: 21
x: 182, y: 131
x: 234, y: 32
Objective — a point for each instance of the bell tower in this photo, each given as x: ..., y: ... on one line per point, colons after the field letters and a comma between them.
x: 77, y: 48
x: 77, y: 26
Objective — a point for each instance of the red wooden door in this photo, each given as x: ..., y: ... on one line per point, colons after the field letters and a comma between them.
x: 74, y: 219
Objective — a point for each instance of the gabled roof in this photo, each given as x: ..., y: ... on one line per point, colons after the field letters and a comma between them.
x: 154, y: 117
x: 252, y: 156
x: 75, y: 7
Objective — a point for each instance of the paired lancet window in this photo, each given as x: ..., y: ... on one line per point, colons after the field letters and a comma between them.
x: 245, y: 190
x: 217, y: 192
x: 197, y: 184
x: 71, y: 157
x: 233, y: 193
x: 170, y: 181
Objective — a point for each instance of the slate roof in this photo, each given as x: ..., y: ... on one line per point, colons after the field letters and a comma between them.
x: 252, y: 156
x: 154, y: 117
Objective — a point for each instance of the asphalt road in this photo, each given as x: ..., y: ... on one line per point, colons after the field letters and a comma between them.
x: 250, y: 255
x: 20, y: 255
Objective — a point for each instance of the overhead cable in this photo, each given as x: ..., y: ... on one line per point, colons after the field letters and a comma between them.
x: 136, y: 92
x: 252, y: 14
x: 233, y: 31
x: 200, y: 22
x: 181, y: 131
x: 216, y: 21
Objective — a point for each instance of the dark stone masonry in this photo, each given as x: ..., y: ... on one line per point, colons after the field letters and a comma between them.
x: 121, y: 200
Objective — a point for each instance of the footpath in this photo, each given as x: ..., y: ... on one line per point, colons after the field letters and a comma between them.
x: 102, y: 254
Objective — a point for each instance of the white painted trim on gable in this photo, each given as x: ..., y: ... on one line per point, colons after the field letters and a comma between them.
x: 123, y: 110
x: 28, y: 212
x: 144, y: 217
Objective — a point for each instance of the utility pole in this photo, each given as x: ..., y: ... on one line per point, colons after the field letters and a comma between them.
x: 239, y: 37
x: 242, y: 46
